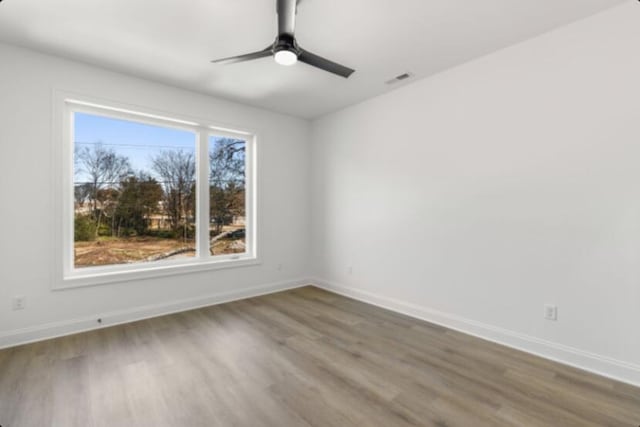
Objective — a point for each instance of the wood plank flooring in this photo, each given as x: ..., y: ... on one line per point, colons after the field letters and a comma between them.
x: 304, y: 357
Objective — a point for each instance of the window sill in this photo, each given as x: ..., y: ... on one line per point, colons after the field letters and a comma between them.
x: 93, y: 276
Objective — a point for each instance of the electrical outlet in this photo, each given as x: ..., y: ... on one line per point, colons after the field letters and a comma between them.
x: 550, y: 312
x: 350, y: 270
x: 279, y: 267
x: 19, y: 302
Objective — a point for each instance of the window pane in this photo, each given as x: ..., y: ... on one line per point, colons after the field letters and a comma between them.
x: 227, y: 201
x: 134, y: 192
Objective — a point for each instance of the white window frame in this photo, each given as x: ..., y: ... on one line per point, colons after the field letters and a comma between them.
x: 66, y: 275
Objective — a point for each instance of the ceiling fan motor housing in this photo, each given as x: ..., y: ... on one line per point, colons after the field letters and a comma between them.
x: 286, y: 42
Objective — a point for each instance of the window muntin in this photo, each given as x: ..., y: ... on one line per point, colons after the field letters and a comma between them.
x: 191, y: 139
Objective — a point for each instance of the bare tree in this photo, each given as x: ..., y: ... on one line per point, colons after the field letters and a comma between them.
x: 177, y: 168
x: 103, y: 169
x: 226, y: 181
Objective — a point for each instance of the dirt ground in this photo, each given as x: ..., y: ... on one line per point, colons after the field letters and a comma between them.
x: 108, y: 251
x: 226, y: 246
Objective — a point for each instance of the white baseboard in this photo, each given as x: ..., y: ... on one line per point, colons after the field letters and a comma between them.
x: 73, y: 326
x: 601, y: 365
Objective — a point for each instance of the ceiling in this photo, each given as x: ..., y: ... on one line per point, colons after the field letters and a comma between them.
x: 173, y: 41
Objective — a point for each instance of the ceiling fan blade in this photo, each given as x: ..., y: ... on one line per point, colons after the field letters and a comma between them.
x: 286, y: 16
x: 324, y: 64
x: 242, y: 58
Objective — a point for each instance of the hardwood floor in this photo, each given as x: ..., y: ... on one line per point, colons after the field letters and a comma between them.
x: 298, y: 358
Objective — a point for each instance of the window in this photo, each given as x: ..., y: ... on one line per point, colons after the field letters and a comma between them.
x: 227, y: 195
x: 134, y: 191
x: 146, y: 195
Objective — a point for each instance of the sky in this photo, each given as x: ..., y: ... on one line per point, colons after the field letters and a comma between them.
x: 137, y: 141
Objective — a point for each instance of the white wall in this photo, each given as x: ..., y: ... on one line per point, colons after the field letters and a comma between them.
x: 471, y: 198
x: 474, y: 197
x: 27, y: 80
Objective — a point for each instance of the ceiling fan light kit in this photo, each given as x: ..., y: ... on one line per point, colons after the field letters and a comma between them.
x: 285, y: 57
x: 285, y: 49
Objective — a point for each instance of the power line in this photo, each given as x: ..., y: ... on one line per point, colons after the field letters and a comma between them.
x: 141, y: 146
x: 137, y: 145
x: 149, y: 183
